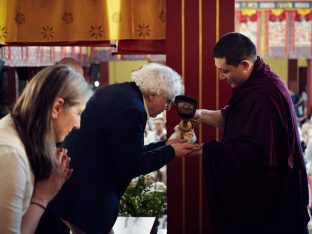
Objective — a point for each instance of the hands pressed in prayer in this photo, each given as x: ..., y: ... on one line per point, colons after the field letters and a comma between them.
x: 46, y: 189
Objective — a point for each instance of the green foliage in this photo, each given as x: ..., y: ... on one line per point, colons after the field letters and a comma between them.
x: 144, y: 198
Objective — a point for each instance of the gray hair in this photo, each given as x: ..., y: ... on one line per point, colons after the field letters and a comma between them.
x: 32, y: 113
x: 155, y: 78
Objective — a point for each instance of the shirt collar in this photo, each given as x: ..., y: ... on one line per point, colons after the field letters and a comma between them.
x: 146, y: 109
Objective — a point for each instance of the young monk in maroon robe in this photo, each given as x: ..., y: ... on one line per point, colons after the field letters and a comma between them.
x: 255, y: 177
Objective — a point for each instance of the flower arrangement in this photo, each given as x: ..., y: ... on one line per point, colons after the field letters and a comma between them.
x: 144, y: 197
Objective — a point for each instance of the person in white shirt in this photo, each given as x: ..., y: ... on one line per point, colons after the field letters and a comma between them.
x: 32, y: 169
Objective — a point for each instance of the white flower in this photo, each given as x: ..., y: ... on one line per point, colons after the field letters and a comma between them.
x: 158, y: 186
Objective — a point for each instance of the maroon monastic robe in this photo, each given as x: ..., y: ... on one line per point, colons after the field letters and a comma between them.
x: 255, y: 177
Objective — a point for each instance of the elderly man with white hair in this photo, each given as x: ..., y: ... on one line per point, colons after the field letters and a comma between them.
x: 108, y: 150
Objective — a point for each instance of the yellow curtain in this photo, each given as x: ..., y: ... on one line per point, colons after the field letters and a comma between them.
x: 46, y: 21
x: 137, y: 19
x: 3, y: 28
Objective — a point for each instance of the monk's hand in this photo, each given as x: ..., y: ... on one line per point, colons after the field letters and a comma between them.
x: 197, y: 118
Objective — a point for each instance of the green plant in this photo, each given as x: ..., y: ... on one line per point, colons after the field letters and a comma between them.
x: 144, y: 197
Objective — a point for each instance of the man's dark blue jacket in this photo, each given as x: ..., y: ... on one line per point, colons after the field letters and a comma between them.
x: 107, y: 152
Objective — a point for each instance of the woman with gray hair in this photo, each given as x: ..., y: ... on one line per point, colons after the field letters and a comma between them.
x: 108, y: 148
x: 32, y: 169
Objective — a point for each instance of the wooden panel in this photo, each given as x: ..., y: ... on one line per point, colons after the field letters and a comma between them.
x: 293, y: 83
x: 209, y: 91
x: 191, y: 80
x: 302, y: 72
x: 174, y: 169
x: 104, y: 77
x: 193, y: 27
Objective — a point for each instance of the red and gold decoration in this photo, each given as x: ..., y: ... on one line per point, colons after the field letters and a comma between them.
x: 302, y: 33
x: 248, y: 23
x: 280, y: 29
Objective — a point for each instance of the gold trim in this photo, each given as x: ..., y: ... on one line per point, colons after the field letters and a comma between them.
x: 263, y: 32
x: 217, y: 75
x: 200, y: 59
x: 183, y: 40
x: 183, y: 73
x: 200, y: 104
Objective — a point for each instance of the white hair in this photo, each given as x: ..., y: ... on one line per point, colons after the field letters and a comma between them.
x: 155, y: 78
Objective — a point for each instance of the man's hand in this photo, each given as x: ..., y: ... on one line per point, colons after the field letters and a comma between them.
x: 182, y: 148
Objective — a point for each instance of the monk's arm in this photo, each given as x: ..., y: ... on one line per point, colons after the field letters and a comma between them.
x: 210, y: 117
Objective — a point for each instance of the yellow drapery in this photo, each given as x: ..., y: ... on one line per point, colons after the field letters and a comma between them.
x: 71, y: 21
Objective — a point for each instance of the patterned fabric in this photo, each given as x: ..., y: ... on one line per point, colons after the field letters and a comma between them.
x: 277, y: 32
x: 45, y: 21
x: 37, y: 56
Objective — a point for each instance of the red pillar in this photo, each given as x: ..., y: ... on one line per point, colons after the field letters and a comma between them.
x: 309, y: 86
x: 193, y: 27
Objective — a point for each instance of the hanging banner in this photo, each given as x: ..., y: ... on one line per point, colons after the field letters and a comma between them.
x: 281, y: 29
x: 301, y: 34
x: 277, y: 33
x: 248, y: 22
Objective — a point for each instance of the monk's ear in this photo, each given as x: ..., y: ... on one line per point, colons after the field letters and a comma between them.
x: 245, y: 65
x: 56, y: 108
